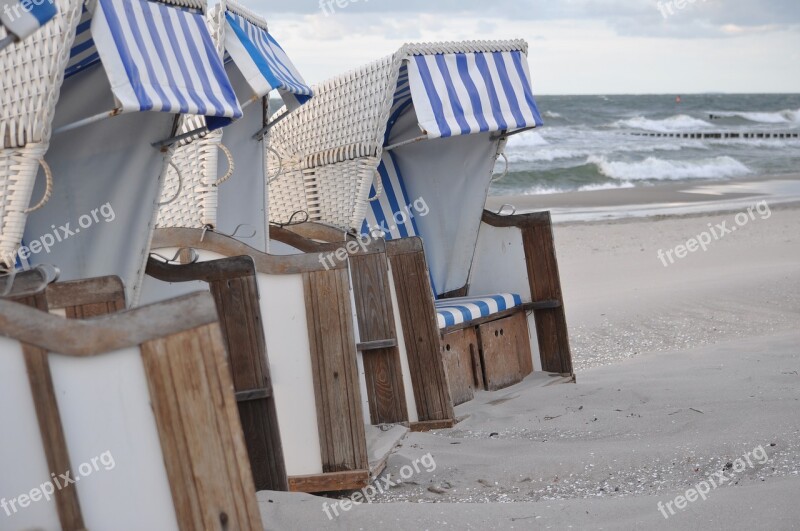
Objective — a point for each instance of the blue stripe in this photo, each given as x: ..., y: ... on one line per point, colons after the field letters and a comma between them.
x: 526, y: 83
x: 151, y: 25
x: 187, y: 79
x: 406, y: 197
x: 508, y: 89
x: 255, y: 54
x: 80, y: 48
x: 458, y: 110
x: 122, y: 48
x: 472, y: 90
x: 137, y: 37
x: 483, y: 68
x: 194, y: 53
x: 501, y: 302
x: 217, y: 69
x: 433, y: 97
x: 285, y: 70
x: 388, y: 191
x: 78, y: 67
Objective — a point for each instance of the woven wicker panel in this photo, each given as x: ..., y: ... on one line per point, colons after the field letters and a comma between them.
x: 194, y: 192
x: 335, y: 140
x: 31, y: 73
x: 18, y: 170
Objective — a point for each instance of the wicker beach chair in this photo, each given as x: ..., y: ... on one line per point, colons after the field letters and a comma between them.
x: 289, y: 307
x: 404, y: 148
x: 81, y: 388
x: 84, y: 113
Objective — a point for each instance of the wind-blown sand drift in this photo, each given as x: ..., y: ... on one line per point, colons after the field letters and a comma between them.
x: 681, y: 371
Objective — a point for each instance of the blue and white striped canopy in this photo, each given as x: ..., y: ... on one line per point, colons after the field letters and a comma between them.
x: 24, y: 17
x: 263, y: 62
x: 160, y: 58
x: 467, y: 93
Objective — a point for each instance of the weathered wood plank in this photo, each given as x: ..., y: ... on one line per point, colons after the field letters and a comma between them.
x: 464, y: 373
x: 335, y: 372
x: 505, y: 345
x: 332, y: 482
x: 232, y: 282
x: 192, y: 397
x: 50, y: 427
x: 382, y: 368
x: 432, y: 425
x: 83, y: 299
x: 420, y: 329
x: 545, y: 282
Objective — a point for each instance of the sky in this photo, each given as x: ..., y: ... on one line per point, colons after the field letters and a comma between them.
x: 575, y: 46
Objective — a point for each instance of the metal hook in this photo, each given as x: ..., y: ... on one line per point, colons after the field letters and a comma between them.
x: 193, y: 256
x: 234, y: 234
x: 513, y: 210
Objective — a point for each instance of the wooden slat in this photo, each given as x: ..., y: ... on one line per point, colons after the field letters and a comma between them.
x: 83, y: 299
x: 205, y: 456
x: 432, y: 425
x: 227, y: 246
x: 50, y: 426
x: 420, y: 329
x: 232, y: 282
x: 84, y: 338
x: 317, y: 231
x: 505, y: 351
x: 382, y: 367
x: 464, y: 373
x: 545, y: 282
x: 335, y: 372
x: 376, y: 345
x: 333, y: 482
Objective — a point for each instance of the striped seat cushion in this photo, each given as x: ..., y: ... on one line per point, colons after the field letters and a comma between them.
x: 450, y: 312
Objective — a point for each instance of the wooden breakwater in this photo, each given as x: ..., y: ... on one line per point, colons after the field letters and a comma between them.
x: 729, y: 135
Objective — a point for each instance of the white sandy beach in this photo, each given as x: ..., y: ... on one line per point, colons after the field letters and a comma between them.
x: 681, y: 370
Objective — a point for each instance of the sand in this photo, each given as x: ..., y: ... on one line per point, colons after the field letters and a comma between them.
x: 681, y: 371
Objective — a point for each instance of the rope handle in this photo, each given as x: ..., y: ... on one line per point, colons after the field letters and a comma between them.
x: 378, y: 187
x: 180, y: 185
x: 505, y: 170
x: 48, y: 190
x: 231, y: 165
x: 280, y: 165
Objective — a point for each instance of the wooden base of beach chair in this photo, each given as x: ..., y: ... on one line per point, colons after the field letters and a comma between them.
x: 332, y: 482
x: 185, y: 407
x: 462, y: 362
x: 232, y: 283
x: 330, y: 334
x: 505, y: 351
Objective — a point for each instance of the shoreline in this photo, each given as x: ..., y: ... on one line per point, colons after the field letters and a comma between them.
x: 657, y: 202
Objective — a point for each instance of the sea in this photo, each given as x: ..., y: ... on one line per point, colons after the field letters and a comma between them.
x: 587, y: 142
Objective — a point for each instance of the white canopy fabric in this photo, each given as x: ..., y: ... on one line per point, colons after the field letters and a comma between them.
x: 157, y: 58
x: 467, y: 93
x: 263, y: 62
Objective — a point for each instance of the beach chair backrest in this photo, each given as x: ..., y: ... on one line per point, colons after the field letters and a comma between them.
x: 423, y: 128
x: 31, y: 73
x: 148, y: 415
x: 105, y: 169
x: 223, y: 186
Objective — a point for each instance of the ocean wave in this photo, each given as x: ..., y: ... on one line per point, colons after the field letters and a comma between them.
x: 551, y: 114
x: 527, y: 139
x: 657, y: 169
x: 780, y: 117
x: 672, y: 124
x: 551, y: 154
x: 548, y: 190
